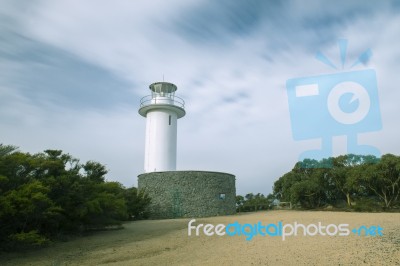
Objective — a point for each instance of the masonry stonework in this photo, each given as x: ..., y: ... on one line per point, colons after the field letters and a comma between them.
x: 177, y: 194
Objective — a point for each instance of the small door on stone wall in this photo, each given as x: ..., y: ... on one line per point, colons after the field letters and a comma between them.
x: 176, y: 204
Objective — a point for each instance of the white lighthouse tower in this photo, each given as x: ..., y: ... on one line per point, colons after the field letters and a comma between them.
x: 162, y: 110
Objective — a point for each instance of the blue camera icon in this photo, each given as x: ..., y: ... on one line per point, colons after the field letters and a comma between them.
x: 338, y: 104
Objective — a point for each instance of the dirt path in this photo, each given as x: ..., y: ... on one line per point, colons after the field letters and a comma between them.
x: 166, y: 242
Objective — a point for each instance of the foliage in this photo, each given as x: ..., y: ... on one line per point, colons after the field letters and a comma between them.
x: 27, y: 240
x: 7, y: 149
x: 383, y: 179
x: 253, y: 202
x: 367, y: 205
x: 50, y: 194
x: 137, y: 201
x: 362, y: 182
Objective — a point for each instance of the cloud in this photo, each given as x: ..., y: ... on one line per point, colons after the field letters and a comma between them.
x: 74, y: 72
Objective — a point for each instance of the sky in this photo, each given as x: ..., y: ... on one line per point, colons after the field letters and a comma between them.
x: 72, y: 74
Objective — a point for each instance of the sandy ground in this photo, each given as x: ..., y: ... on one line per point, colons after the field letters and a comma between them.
x: 166, y: 242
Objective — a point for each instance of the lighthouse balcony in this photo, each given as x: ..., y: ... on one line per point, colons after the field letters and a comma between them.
x: 174, y: 104
x: 151, y: 100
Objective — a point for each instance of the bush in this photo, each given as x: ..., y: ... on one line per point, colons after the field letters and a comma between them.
x: 137, y: 202
x: 367, y: 205
x: 28, y: 239
x: 50, y: 195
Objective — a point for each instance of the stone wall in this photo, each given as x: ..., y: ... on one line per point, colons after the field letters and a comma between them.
x: 189, y: 193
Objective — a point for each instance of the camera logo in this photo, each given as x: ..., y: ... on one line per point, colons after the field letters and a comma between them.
x: 344, y: 103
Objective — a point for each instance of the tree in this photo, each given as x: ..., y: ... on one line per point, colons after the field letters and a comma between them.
x: 383, y: 179
x: 252, y: 202
x: 313, y: 184
x: 95, y: 171
x: 283, y: 185
x: 7, y: 149
x: 27, y: 209
x: 239, y: 203
x: 343, y: 175
x: 136, y: 203
x: 308, y: 193
x: 45, y: 195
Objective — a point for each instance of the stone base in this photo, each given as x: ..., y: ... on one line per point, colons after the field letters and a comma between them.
x: 177, y: 194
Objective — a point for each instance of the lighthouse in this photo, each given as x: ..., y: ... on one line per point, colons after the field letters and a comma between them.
x: 162, y: 109
x: 174, y: 194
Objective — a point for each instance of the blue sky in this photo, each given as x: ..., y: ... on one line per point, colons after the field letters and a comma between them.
x: 73, y: 73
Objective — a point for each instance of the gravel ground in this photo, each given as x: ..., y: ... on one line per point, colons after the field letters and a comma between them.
x: 166, y: 242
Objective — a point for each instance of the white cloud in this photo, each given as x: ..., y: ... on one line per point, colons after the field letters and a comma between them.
x: 234, y: 87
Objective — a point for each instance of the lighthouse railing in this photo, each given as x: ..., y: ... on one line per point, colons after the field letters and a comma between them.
x: 149, y: 99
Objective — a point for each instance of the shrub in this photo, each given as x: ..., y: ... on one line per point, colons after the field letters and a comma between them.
x: 367, y: 205
x: 28, y: 240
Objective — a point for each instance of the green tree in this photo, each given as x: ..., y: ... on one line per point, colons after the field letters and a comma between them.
x: 95, y: 171
x: 383, y: 179
x: 239, y: 203
x: 27, y: 209
x: 7, y: 149
x: 283, y: 185
x: 252, y: 202
x: 343, y: 177
x: 46, y: 195
x: 137, y: 202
